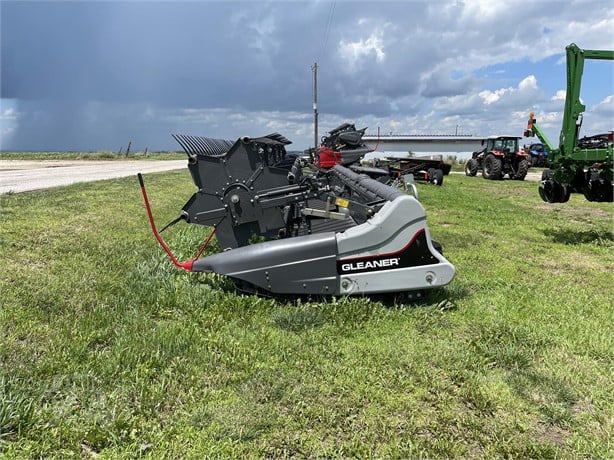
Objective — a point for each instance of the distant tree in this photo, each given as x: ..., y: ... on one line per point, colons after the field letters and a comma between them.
x: 410, y: 154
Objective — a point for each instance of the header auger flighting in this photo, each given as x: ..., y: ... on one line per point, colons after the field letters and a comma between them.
x: 331, y: 230
x: 577, y: 165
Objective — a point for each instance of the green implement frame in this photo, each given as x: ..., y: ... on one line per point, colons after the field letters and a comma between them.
x: 576, y: 168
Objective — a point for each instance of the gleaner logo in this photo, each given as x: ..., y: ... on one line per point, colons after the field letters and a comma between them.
x: 370, y: 264
x: 414, y: 254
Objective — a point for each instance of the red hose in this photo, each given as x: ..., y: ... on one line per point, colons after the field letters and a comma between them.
x: 187, y: 265
x: 204, y: 246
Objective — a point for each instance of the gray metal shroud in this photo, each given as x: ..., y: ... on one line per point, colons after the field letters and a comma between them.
x: 301, y: 265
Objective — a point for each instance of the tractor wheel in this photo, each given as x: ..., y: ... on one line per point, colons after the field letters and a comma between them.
x: 492, y: 168
x: 523, y: 169
x: 437, y: 177
x: 471, y: 168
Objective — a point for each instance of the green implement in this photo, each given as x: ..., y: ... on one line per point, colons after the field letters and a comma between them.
x: 578, y: 165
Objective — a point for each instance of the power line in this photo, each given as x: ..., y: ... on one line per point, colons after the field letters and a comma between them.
x: 329, y: 22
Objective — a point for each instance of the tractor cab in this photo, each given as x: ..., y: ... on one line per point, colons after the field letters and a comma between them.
x: 502, y: 145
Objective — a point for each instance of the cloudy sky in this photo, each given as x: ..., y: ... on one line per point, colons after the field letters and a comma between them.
x: 94, y: 75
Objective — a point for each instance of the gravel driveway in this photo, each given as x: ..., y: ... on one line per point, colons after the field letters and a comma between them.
x: 26, y: 175
x: 532, y: 176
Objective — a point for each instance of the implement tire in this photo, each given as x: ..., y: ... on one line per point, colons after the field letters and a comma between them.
x: 492, y: 168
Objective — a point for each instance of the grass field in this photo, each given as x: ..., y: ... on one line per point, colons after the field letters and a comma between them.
x: 108, y: 351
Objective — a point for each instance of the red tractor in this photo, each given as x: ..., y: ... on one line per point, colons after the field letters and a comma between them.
x: 501, y: 156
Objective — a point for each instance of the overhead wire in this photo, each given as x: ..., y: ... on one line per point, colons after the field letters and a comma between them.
x: 329, y: 22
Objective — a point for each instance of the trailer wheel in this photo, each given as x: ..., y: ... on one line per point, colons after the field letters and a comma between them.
x: 471, y: 167
x: 437, y: 177
x: 492, y: 168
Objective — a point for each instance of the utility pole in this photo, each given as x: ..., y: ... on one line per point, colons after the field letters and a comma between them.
x: 315, y: 105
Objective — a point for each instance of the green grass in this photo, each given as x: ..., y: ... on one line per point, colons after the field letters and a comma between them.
x: 106, y: 349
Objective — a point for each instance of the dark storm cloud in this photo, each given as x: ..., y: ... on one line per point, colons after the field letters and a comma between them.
x: 256, y: 55
x: 90, y: 75
x: 73, y: 57
x: 61, y: 59
x: 171, y: 53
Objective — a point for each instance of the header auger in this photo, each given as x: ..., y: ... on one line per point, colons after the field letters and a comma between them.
x: 331, y: 229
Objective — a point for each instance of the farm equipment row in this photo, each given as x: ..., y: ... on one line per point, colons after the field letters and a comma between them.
x: 578, y: 165
x: 336, y: 227
x: 344, y: 145
x: 333, y: 227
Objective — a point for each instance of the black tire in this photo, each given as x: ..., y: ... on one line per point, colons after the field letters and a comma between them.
x: 523, y: 169
x: 471, y: 167
x: 437, y: 177
x: 553, y: 192
x: 597, y: 189
x: 492, y: 168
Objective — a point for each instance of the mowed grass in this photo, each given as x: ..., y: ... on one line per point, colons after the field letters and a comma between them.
x: 108, y: 351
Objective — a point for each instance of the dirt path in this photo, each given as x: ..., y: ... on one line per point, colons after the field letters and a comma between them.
x: 18, y: 176
x: 532, y: 176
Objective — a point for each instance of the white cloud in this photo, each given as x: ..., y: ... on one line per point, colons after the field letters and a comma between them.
x: 526, y: 91
x: 491, y: 97
x: 605, y: 108
x: 9, y: 114
x: 355, y: 52
x: 529, y: 82
x: 559, y: 95
x: 485, y: 10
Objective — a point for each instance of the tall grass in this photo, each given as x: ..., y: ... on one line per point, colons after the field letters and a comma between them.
x: 106, y: 349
